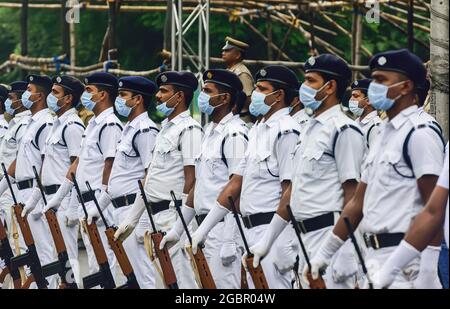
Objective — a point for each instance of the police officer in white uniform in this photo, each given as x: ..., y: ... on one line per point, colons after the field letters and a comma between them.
x: 223, y: 146
x: 366, y: 116
x: 402, y: 168
x: 62, y: 147
x: 8, y: 151
x: 264, y: 173
x: 29, y: 155
x: 426, y: 225
x: 172, y: 167
x: 297, y: 109
x: 327, y: 160
x: 132, y: 159
x: 96, y: 157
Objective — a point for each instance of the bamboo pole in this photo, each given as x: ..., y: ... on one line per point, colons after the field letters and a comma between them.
x: 24, y: 32
x: 356, y: 37
x: 410, y: 26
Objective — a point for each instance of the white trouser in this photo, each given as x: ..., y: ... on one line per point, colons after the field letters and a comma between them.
x: 92, y: 261
x: 181, y: 261
x: 403, y: 280
x: 343, y: 260
x: 274, y: 278
x: 225, y: 277
x: 42, y: 237
x: 135, y: 250
x: 70, y: 236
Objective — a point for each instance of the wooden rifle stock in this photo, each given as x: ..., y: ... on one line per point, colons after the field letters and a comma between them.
x: 6, y: 254
x: 203, y: 270
x: 164, y: 260
x: 257, y: 274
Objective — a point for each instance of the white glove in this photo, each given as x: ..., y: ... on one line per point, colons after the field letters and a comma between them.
x: 397, y: 261
x: 71, y: 217
x: 126, y: 228
x: 262, y: 247
x: 177, y: 230
x: 345, y: 264
x: 4, y: 184
x: 217, y: 213
x: 104, y: 199
x: 286, y: 253
x: 228, y: 252
x: 32, y: 202
x: 58, y: 197
x: 93, y: 214
x: 323, y: 256
x: 428, y: 277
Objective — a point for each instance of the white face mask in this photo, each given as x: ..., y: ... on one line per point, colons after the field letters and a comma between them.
x: 353, y: 105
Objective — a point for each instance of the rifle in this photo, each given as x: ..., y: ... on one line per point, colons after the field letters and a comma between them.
x: 358, y: 251
x: 313, y: 284
x: 257, y: 274
x: 6, y: 253
x: 103, y: 277
x: 31, y: 257
x: 206, y: 278
x: 163, y: 255
x: 117, y: 247
x: 63, y: 258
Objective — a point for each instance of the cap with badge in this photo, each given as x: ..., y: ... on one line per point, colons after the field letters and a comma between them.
x: 70, y: 84
x: 401, y: 61
x: 329, y: 64
x: 181, y: 79
x: 277, y: 74
x: 137, y: 84
x: 231, y: 43
x: 18, y: 86
x: 40, y: 80
x: 101, y: 79
x: 361, y: 84
x: 224, y: 78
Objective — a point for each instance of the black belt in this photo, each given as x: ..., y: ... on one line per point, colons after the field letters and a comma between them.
x: 316, y: 223
x: 87, y: 197
x: 52, y: 189
x: 201, y: 218
x: 25, y: 184
x: 378, y: 241
x: 163, y: 205
x: 258, y: 219
x: 125, y: 200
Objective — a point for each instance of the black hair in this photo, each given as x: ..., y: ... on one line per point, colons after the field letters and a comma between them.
x: 188, y: 93
x: 112, y: 92
x: 289, y: 94
x: 231, y: 92
x: 341, y: 84
x: 75, y: 98
x: 44, y: 90
x: 147, y: 99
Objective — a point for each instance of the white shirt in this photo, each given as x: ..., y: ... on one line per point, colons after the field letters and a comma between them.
x: 129, y: 166
x: 94, y: 152
x: 370, y: 122
x: 9, y: 144
x: 443, y: 182
x: 211, y: 172
x: 318, y: 176
x: 177, y: 145
x: 32, y: 146
x: 62, y: 143
x: 302, y: 118
x: 268, y: 162
x: 427, y: 117
x: 3, y: 126
x: 391, y: 201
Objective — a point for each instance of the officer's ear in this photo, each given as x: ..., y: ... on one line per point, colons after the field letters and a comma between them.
x: 407, y: 87
x: 332, y: 87
x: 68, y: 99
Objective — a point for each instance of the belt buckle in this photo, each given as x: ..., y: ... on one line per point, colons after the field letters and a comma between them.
x: 302, y: 227
x: 375, y: 243
x: 247, y: 222
x: 125, y: 201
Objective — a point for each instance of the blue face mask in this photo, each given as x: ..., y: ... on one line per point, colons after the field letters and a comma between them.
x: 52, y: 102
x: 164, y: 109
x: 26, y: 99
x: 8, y: 107
x: 308, y: 96
x: 378, y: 96
x: 122, y: 108
x: 86, y: 100
x: 203, y: 103
x: 258, y: 107
x: 353, y: 105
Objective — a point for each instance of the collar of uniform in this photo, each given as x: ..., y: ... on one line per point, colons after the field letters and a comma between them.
x: 39, y: 114
x: 134, y: 123
x: 276, y: 116
x: 223, y: 122
x: 332, y: 111
x: 369, y: 117
x: 22, y: 114
x: 66, y: 115
x: 233, y: 68
x: 103, y: 115
x: 401, y: 118
x: 177, y: 119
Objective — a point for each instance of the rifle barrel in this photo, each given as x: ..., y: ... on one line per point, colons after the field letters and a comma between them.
x: 77, y: 188
x: 241, y: 230
x: 5, y: 173
x: 297, y: 231
x: 181, y: 217
x: 41, y: 188
x: 147, y: 205
x: 96, y: 204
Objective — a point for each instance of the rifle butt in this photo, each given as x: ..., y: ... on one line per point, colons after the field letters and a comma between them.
x: 257, y: 274
x: 203, y: 270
